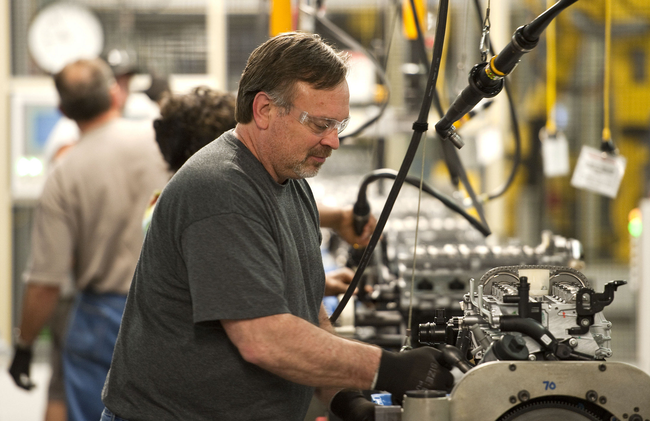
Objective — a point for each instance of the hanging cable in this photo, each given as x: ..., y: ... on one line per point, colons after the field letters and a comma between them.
x: 419, y: 128
x: 551, y: 77
x: 485, y: 44
x: 607, y: 144
x: 446, y: 200
x: 514, y: 119
x: 452, y: 160
x: 407, y: 340
x: 391, y: 32
x: 516, y: 131
x: 422, y: 53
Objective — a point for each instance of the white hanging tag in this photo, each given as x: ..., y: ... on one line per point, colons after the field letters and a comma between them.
x: 599, y: 172
x: 555, y: 154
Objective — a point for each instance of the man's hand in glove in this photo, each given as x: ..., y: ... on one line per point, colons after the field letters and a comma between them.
x: 19, y: 369
x: 351, y: 405
x: 419, y: 369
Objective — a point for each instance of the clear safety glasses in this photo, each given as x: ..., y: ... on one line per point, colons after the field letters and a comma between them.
x: 322, y: 126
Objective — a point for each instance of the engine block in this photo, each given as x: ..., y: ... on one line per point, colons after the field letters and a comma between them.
x: 558, y: 298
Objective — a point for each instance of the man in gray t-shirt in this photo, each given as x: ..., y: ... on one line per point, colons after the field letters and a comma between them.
x: 224, y: 319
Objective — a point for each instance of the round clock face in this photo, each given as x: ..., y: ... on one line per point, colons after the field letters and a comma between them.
x: 62, y: 33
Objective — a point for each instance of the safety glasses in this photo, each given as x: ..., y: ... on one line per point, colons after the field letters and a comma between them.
x: 322, y: 126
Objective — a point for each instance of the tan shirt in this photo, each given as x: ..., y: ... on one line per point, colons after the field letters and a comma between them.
x: 89, y: 216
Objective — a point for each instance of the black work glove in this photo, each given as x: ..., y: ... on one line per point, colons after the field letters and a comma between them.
x: 419, y: 369
x: 351, y: 405
x: 19, y: 369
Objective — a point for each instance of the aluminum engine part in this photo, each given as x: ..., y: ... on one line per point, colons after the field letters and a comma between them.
x: 555, y: 293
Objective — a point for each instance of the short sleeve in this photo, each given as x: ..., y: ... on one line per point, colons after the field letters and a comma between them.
x: 234, y: 269
x: 50, y: 260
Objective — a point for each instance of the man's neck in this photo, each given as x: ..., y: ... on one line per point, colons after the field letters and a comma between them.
x: 100, y: 120
x: 246, y: 133
x: 243, y: 133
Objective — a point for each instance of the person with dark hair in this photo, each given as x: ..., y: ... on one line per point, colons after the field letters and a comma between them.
x: 87, y: 223
x: 189, y: 122
x: 186, y: 124
x: 225, y: 318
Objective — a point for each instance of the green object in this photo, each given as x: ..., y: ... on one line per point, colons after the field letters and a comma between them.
x: 635, y: 227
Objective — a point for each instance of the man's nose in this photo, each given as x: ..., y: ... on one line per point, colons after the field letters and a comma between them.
x: 331, y: 139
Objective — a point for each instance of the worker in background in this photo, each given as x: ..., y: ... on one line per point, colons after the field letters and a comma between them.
x: 88, y: 223
x: 224, y: 318
x: 138, y: 105
x: 186, y: 124
x: 158, y: 88
x: 64, y: 136
x: 65, y: 132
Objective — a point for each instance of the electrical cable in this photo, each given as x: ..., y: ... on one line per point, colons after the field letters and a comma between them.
x: 514, y: 119
x: 607, y: 144
x: 452, y: 160
x: 446, y: 200
x: 523, y: 41
x: 419, y: 127
x: 407, y: 339
x: 396, y: 15
x: 551, y: 77
x: 486, y: 79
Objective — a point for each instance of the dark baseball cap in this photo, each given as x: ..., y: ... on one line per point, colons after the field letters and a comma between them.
x: 121, y: 61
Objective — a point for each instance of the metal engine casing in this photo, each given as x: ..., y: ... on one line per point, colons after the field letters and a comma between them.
x: 524, y: 390
x: 558, y: 297
x: 581, y: 386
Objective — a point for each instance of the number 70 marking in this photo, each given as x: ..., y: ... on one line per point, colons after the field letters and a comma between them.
x: 548, y: 385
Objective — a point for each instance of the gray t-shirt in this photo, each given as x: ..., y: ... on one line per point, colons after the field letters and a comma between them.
x: 225, y: 242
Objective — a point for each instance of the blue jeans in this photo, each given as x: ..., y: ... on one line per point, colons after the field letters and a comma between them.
x: 92, y: 332
x: 107, y: 415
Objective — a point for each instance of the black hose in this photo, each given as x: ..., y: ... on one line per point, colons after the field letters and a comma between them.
x: 536, y: 331
x: 516, y: 161
x: 419, y: 127
x: 446, y: 200
x: 453, y: 357
x: 452, y: 160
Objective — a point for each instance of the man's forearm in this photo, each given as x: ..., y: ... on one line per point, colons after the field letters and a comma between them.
x: 39, y: 303
x: 298, y: 351
x: 330, y: 217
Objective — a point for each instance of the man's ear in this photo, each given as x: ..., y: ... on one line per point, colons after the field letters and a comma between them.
x: 118, y: 98
x: 262, y: 110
